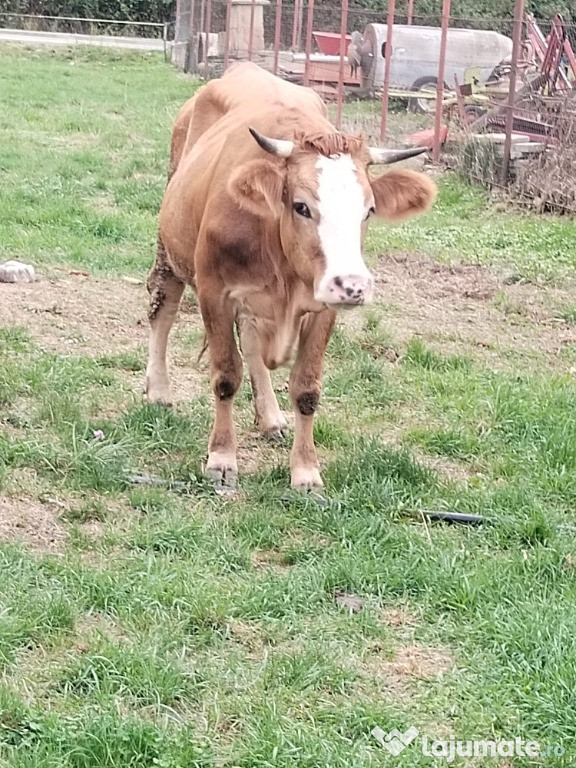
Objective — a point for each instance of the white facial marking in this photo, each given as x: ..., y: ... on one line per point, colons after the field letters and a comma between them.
x: 342, y: 209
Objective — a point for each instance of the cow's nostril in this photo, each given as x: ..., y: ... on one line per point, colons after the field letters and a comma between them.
x: 345, y: 289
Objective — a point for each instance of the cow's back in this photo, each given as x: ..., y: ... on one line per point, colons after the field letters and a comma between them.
x: 244, y: 86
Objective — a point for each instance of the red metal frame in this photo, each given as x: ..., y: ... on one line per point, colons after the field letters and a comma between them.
x: 410, y: 11
x: 251, y: 30
x: 207, y: 24
x: 440, y: 83
x: 571, y: 56
x: 296, y: 25
x: 548, y: 51
x: 340, y: 96
x: 227, y: 34
x: 178, y: 20
x: 309, y: 25
x: 387, y: 57
x: 516, y: 47
x: 277, y: 31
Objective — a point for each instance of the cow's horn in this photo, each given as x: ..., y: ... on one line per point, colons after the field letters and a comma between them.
x: 277, y: 147
x: 388, y: 156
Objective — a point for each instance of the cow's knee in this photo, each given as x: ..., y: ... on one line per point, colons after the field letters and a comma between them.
x: 227, y: 378
x: 307, y: 401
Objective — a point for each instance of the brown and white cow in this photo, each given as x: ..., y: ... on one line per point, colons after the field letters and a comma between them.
x: 264, y: 214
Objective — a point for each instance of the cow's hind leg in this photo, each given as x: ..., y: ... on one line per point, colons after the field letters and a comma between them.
x: 270, y: 419
x: 226, y: 377
x: 305, y: 385
x: 165, y: 291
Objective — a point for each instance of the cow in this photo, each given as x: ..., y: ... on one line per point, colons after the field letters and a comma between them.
x: 264, y: 215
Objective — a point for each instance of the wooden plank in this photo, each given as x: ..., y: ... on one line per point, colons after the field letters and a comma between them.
x: 322, y: 72
x: 328, y: 72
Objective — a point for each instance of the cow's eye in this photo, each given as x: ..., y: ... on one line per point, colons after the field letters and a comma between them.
x: 371, y: 212
x: 302, y: 210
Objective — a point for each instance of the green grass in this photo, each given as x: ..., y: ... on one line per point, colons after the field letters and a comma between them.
x: 84, y: 155
x: 464, y: 225
x: 170, y: 627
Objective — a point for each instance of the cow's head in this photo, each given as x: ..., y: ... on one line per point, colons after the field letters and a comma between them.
x: 323, y: 195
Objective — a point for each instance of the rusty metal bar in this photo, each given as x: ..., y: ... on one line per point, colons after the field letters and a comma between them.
x: 516, y: 47
x: 208, y: 26
x: 192, y: 58
x: 178, y: 20
x: 227, y: 34
x: 343, y: 28
x: 309, y: 25
x: 387, y: 59
x: 440, y: 84
x: 410, y: 11
x: 251, y: 30
x: 207, y: 40
x: 296, y: 25
x: 569, y: 51
x: 277, y: 30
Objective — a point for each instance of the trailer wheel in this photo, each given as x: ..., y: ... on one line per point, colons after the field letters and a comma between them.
x: 423, y: 106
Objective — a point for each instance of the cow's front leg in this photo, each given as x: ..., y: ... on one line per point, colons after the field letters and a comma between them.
x: 165, y: 291
x: 305, y: 385
x: 270, y: 419
x: 226, y: 376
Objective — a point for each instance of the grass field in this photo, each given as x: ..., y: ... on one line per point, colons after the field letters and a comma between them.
x: 164, y: 626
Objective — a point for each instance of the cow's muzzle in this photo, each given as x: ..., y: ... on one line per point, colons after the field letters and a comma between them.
x: 345, y: 290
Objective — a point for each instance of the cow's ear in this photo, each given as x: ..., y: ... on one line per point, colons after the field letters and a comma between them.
x: 257, y: 187
x: 402, y: 193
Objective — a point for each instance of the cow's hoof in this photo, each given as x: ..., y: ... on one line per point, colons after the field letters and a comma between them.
x: 222, y: 473
x: 157, y: 395
x: 306, y: 478
x: 165, y: 402
x: 274, y: 435
x: 222, y: 480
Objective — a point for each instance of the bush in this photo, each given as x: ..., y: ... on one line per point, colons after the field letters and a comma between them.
x: 479, y: 13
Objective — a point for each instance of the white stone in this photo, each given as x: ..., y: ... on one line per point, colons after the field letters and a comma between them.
x: 16, y: 272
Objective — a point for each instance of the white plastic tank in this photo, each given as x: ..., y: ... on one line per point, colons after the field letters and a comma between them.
x: 416, y: 53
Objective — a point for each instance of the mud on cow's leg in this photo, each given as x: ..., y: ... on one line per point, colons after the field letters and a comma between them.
x: 165, y: 291
x: 226, y: 377
x: 305, y: 386
x: 270, y: 419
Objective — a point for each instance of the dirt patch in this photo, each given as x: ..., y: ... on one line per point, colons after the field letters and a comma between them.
x: 452, y: 470
x: 419, y: 662
x: 78, y: 314
x: 269, y: 560
x: 81, y: 315
x: 35, y: 525
x: 410, y: 663
x: 398, y: 617
x: 94, y: 626
x: 248, y: 635
x: 473, y: 310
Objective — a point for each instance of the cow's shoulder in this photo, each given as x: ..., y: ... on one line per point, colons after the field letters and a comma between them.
x: 233, y: 238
